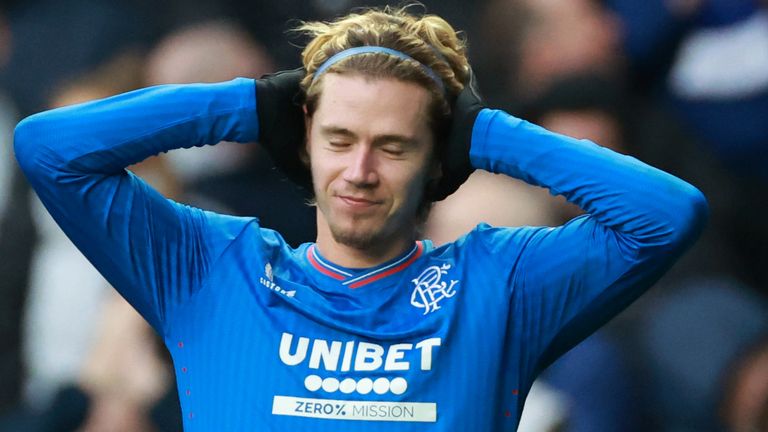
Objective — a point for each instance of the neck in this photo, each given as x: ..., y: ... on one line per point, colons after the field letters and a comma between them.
x: 352, y: 257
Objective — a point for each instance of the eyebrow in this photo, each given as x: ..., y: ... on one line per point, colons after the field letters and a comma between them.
x: 378, y: 140
x: 335, y: 130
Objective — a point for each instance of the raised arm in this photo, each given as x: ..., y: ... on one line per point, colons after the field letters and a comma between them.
x: 154, y: 251
x: 568, y: 281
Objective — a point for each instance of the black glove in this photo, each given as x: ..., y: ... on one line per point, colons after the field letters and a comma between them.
x: 454, y: 155
x: 281, y: 122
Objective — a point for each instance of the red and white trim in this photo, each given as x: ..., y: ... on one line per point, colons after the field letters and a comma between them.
x: 368, y: 277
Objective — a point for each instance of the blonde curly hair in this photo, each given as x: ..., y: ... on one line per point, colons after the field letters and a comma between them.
x: 428, y: 39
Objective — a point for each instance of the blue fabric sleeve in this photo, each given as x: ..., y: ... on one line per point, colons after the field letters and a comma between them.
x: 154, y: 251
x: 568, y: 281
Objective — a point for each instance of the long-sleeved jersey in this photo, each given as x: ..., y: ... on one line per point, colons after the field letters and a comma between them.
x: 267, y: 337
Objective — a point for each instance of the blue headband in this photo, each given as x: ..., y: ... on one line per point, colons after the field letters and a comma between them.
x: 375, y: 49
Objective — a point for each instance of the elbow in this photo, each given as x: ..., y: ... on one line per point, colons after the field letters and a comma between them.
x: 690, y: 216
x: 25, y: 143
x: 674, y: 221
x: 24, y: 146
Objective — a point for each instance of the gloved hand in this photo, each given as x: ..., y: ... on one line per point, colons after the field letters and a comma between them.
x: 281, y: 122
x: 454, y: 155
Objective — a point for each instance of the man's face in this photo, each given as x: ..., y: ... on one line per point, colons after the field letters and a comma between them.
x: 370, y: 150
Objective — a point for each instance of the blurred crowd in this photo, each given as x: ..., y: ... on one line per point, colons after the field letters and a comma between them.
x: 679, y: 84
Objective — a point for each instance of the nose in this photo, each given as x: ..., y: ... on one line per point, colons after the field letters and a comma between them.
x: 361, y: 170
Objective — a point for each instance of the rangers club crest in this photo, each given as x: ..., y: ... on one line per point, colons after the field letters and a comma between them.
x: 430, y: 289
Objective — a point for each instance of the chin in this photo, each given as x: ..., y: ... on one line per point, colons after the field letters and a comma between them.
x: 358, y: 239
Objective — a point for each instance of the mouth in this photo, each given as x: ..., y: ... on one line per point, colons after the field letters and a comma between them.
x: 357, y: 202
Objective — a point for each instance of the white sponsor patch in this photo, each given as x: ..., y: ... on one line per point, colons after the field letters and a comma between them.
x: 355, y: 410
x: 368, y: 357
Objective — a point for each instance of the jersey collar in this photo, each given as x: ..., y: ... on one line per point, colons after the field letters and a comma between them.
x: 356, y: 278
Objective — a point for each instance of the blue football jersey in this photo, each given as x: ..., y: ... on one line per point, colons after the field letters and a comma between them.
x: 273, y: 338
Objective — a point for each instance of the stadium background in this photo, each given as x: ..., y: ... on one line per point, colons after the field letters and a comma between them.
x: 680, y: 84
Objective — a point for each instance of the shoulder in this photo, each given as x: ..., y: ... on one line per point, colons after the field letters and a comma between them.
x: 489, y: 246
x: 271, y: 247
x: 243, y: 243
x: 217, y: 225
x: 491, y: 239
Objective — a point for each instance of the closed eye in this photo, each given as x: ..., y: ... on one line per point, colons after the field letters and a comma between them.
x: 393, y: 149
x: 395, y: 145
x: 338, y: 145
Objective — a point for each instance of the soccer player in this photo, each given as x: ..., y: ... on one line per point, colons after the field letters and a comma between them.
x: 369, y: 328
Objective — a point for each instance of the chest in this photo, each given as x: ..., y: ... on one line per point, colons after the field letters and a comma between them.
x: 289, y: 352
